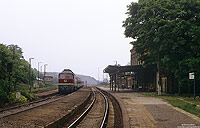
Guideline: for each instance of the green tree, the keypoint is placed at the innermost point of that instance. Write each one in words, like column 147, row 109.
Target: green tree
column 12, row 54
column 166, row 31
column 5, row 58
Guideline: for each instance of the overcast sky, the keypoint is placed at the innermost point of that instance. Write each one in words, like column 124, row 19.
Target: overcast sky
column 81, row 35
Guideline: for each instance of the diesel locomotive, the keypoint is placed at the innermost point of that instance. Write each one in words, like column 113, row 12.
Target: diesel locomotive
column 68, row 82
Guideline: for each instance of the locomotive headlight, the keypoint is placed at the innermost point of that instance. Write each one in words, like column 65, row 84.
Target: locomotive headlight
column 65, row 80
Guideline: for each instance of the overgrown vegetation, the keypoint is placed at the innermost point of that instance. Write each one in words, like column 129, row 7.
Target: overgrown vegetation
column 106, row 86
column 14, row 71
column 166, row 33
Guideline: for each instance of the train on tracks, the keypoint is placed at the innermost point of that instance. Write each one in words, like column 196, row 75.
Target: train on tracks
column 68, row 82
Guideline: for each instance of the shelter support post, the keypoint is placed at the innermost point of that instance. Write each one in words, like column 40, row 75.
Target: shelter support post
column 110, row 81
column 117, row 83
column 110, row 85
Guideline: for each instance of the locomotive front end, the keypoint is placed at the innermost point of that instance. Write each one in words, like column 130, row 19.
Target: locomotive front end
column 66, row 82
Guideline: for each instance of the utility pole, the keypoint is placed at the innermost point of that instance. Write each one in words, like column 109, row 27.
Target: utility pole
column 45, row 72
column 30, row 73
column 39, row 73
column 98, row 75
column 103, row 78
column 13, row 66
column 115, row 62
column 9, row 69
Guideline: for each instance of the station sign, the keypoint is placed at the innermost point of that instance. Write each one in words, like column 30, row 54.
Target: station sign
column 191, row 76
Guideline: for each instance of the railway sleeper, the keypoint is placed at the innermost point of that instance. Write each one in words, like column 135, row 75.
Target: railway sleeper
column 66, row 118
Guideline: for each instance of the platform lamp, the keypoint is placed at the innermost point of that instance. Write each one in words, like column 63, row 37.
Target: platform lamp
column 45, row 72
column 39, row 73
column 98, row 75
column 30, row 75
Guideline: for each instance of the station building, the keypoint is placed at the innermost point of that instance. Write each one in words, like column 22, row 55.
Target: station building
column 48, row 79
column 138, row 77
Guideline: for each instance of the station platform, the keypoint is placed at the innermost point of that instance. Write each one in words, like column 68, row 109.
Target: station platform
column 141, row 111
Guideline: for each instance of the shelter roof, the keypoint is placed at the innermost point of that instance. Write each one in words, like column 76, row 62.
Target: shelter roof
column 119, row 69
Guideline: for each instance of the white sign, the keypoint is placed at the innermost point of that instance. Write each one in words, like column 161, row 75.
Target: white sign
column 18, row 95
column 191, row 76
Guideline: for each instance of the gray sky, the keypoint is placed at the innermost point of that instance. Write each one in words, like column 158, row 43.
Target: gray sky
column 78, row 34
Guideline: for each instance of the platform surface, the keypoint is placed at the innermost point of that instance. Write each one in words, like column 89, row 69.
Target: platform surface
column 141, row 111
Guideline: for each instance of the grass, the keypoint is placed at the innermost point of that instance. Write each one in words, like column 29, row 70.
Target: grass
column 106, row 86
column 26, row 96
column 26, row 88
column 44, row 88
column 185, row 103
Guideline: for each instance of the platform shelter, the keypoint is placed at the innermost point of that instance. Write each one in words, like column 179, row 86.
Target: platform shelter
column 133, row 76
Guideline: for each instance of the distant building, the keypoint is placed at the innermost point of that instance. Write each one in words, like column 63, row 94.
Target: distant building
column 35, row 84
column 134, row 57
column 141, row 78
column 144, row 79
column 133, row 76
column 48, row 80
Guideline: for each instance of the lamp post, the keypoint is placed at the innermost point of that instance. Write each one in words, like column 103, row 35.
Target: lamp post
column 103, row 78
column 30, row 73
column 45, row 71
column 115, row 62
column 98, row 75
column 39, row 73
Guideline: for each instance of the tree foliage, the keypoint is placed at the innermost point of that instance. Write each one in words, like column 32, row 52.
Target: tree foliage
column 168, row 32
column 20, row 70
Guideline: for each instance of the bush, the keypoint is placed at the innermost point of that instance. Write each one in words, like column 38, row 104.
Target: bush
column 14, row 100
column 42, row 85
column 30, row 97
column 22, row 99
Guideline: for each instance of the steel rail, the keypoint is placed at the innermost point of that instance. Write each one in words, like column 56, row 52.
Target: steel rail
column 47, row 97
column 30, row 105
column 75, row 123
column 103, row 123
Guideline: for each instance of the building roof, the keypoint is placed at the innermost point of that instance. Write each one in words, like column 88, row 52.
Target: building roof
column 129, row 68
column 48, row 76
column 119, row 69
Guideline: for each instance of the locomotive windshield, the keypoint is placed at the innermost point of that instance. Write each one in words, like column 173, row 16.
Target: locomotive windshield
column 67, row 76
column 62, row 76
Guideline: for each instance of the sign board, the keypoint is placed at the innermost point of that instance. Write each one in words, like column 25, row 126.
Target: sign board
column 191, row 76
column 18, row 95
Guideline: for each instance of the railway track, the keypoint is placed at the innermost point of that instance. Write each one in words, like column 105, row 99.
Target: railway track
column 95, row 115
column 30, row 105
column 41, row 97
column 84, row 108
column 46, row 115
column 45, row 97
